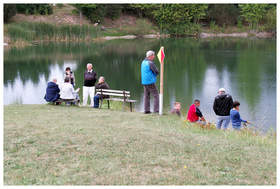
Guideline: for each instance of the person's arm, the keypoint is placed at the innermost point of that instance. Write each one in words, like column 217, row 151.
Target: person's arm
column 203, row 119
column 215, row 106
column 231, row 102
column 198, row 112
column 57, row 90
column 73, row 78
column 153, row 68
column 107, row 86
column 243, row 120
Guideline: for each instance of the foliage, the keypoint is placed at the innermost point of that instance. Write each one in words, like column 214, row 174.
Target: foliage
column 9, row 11
column 223, row 14
column 179, row 19
column 43, row 31
column 97, row 12
column 253, row 13
column 43, row 9
column 270, row 19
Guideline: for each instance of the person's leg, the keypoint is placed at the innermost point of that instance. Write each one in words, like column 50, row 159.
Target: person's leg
column 96, row 101
column 226, row 121
column 154, row 92
column 85, row 95
column 236, row 128
column 146, row 99
column 219, row 122
column 91, row 94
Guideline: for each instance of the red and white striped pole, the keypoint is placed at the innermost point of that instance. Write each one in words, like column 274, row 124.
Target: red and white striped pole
column 161, row 56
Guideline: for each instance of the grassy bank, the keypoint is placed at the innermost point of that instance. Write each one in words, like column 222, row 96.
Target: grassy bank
column 36, row 31
column 45, row 144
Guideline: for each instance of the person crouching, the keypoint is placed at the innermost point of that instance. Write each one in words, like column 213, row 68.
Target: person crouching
column 67, row 91
column 194, row 113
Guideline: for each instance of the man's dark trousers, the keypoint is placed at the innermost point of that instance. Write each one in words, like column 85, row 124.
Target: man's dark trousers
column 151, row 89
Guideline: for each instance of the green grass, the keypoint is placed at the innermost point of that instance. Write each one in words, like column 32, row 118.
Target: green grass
column 34, row 31
column 60, row 145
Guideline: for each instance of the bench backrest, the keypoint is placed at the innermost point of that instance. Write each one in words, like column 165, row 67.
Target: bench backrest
column 110, row 92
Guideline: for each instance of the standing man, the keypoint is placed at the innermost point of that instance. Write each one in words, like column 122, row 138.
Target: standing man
column 222, row 105
column 89, row 85
column 149, row 74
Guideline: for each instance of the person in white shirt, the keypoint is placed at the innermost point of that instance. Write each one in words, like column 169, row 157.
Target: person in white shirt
column 90, row 78
column 67, row 91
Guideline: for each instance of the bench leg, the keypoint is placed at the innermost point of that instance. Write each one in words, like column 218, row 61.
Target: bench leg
column 108, row 102
column 130, row 106
column 101, row 101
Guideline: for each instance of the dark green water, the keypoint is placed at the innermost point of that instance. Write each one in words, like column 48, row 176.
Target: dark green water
column 246, row 68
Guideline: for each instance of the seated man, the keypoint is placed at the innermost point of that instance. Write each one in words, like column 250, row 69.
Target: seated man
column 194, row 114
column 176, row 109
column 100, row 85
column 67, row 91
column 52, row 91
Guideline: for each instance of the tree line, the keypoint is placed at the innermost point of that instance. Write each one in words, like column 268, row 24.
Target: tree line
column 175, row 19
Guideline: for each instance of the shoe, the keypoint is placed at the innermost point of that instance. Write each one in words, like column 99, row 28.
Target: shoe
column 147, row 112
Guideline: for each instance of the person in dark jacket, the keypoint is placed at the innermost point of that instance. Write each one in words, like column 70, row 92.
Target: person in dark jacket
column 100, row 85
column 89, row 85
column 222, row 105
column 52, row 91
column 149, row 74
column 69, row 73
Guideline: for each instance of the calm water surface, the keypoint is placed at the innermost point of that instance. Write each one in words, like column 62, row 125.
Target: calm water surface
column 246, row 68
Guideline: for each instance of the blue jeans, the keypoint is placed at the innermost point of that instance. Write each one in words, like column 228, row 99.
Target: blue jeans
column 222, row 121
column 96, row 101
column 236, row 127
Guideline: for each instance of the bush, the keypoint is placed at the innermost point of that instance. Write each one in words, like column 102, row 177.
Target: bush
column 253, row 13
column 223, row 14
column 43, row 9
column 270, row 20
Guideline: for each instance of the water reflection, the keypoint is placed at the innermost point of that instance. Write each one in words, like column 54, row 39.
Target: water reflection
column 193, row 69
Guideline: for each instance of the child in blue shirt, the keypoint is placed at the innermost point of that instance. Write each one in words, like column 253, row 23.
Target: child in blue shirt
column 235, row 116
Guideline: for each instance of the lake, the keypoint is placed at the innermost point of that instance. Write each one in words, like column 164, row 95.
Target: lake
column 194, row 69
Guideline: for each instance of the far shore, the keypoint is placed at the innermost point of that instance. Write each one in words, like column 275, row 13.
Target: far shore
column 202, row 35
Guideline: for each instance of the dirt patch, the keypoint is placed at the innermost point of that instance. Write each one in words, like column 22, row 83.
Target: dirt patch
column 64, row 15
column 123, row 20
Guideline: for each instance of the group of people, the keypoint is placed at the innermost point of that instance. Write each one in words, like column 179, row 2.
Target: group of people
column 225, row 109
column 66, row 91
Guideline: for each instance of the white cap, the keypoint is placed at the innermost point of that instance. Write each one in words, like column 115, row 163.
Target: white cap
column 222, row 90
column 150, row 53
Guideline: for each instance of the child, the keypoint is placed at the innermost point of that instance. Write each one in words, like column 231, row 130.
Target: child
column 70, row 74
column 176, row 109
column 235, row 116
column 194, row 113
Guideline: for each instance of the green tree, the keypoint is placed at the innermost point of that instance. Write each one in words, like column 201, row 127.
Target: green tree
column 9, row 11
column 223, row 14
column 253, row 13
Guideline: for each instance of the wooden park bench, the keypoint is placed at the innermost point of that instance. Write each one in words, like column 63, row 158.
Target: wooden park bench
column 115, row 95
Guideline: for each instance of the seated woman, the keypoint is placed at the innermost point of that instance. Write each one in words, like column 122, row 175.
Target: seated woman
column 52, row 91
column 67, row 91
column 100, row 85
